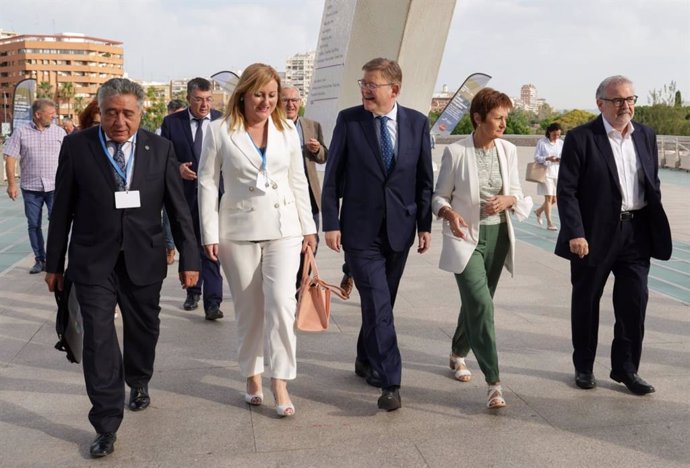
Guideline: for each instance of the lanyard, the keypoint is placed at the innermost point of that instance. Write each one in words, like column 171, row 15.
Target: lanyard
column 127, row 175
column 262, row 154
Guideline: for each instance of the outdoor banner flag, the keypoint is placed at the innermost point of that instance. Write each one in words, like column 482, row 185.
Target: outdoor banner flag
column 24, row 95
column 227, row 80
column 459, row 105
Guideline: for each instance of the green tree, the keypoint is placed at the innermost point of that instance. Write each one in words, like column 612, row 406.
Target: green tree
column 545, row 113
column 66, row 93
column 518, row 123
column 79, row 104
column 44, row 90
column 155, row 111
column 665, row 119
column 678, row 100
column 573, row 118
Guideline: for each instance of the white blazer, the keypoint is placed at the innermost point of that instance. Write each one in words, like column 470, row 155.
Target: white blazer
column 458, row 187
column 247, row 213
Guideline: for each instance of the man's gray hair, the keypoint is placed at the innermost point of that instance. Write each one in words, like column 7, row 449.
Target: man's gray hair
column 119, row 86
column 299, row 93
column 42, row 103
column 611, row 80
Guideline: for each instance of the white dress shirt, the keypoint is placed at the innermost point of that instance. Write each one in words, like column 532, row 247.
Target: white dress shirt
column 193, row 124
column 628, row 166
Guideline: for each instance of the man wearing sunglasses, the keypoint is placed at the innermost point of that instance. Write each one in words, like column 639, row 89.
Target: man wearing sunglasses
column 609, row 201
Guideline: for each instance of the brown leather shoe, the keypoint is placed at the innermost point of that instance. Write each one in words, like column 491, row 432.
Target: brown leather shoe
column 171, row 256
column 346, row 284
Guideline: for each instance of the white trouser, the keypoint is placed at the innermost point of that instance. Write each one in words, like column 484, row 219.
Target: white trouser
column 261, row 276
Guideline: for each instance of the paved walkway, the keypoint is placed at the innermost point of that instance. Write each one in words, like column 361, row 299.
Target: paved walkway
column 198, row 417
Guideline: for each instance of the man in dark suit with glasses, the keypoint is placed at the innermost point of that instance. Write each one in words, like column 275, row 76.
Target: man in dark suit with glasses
column 609, row 201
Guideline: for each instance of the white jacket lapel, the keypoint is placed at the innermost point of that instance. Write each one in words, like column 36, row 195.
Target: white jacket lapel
column 243, row 142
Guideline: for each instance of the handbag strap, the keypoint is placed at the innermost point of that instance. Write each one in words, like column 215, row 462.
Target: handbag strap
column 310, row 273
column 309, row 267
column 337, row 290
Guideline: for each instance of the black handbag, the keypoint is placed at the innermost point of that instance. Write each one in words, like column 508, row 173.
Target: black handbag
column 69, row 324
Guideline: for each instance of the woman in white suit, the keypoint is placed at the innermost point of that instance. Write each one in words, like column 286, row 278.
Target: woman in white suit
column 260, row 227
column 478, row 186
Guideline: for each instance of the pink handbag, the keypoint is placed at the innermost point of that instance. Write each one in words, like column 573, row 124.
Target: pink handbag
column 314, row 299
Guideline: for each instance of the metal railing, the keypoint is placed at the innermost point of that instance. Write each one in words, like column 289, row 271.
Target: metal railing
column 674, row 151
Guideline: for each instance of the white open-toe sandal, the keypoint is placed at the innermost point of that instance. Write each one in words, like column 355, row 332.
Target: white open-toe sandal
column 495, row 397
column 457, row 364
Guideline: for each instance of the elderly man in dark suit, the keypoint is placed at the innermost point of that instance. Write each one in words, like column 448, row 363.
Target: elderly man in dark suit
column 112, row 182
column 186, row 130
column 609, row 200
column 380, row 165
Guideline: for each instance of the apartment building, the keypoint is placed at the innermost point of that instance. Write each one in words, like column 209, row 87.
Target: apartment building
column 83, row 61
column 299, row 70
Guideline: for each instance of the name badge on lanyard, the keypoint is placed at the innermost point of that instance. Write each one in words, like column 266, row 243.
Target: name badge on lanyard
column 127, row 198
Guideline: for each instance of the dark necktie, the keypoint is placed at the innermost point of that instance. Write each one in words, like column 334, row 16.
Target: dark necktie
column 119, row 158
column 198, row 138
column 386, row 144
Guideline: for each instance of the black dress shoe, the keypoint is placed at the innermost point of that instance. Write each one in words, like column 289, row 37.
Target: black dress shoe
column 103, row 445
column 139, row 398
column 634, row 382
column 213, row 312
column 192, row 301
column 585, row 380
column 365, row 371
column 390, row 400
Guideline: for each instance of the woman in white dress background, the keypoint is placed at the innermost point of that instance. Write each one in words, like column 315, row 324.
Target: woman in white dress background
column 548, row 153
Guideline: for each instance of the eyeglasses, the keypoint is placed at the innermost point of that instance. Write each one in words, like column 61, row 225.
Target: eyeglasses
column 292, row 100
column 371, row 86
column 618, row 102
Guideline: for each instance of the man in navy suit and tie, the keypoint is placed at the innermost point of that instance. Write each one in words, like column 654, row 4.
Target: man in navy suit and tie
column 612, row 220
column 380, row 165
column 186, row 130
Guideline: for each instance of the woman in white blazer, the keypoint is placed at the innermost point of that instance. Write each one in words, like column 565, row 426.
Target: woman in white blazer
column 260, row 226
column 478, row 186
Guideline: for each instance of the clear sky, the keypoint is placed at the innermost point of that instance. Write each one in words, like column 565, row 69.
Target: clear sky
column 563, row 47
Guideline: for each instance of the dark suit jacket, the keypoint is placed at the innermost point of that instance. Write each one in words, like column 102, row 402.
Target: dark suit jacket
column 312, row 129
column 355, row 173
column 85, row 202
column 177, row 128
column 589, row 193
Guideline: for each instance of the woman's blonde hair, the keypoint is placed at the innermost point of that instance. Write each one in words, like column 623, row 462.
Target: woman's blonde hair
column 254, row 77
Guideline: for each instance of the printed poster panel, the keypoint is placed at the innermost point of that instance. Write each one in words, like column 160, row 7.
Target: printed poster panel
column 459, row 105
column 24, row 95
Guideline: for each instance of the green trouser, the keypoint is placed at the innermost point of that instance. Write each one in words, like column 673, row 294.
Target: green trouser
column 477, row 284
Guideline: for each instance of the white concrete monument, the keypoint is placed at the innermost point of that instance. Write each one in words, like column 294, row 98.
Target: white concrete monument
column 412, row 32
